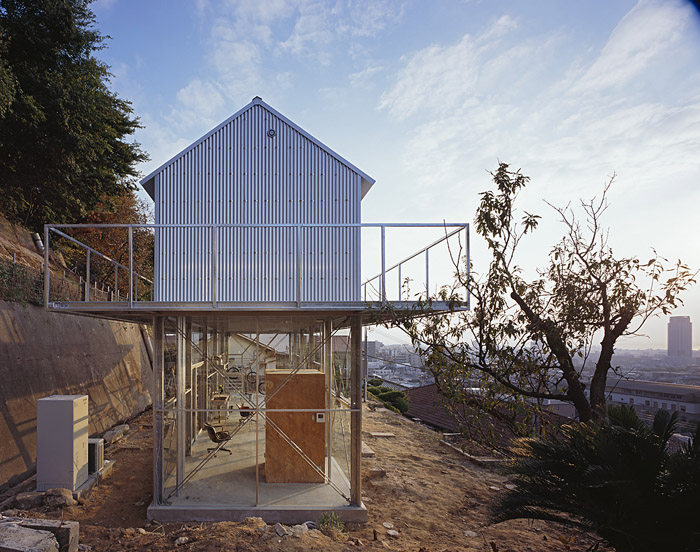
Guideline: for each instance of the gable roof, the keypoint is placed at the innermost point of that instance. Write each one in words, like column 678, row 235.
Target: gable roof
column 367, row 181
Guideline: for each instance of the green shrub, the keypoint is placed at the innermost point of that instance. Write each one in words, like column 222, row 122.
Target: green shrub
column 374, row 382
column 390, row 395
column 330, row 524
column 617, row 478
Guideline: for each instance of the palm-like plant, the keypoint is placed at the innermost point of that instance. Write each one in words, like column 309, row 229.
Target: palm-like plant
column 617, row 478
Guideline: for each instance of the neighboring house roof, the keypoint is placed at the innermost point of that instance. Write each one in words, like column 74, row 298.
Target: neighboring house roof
column 424, row 402
column 367, row 181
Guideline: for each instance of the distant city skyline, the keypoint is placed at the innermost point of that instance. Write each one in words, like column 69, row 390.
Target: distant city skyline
column 426, row 97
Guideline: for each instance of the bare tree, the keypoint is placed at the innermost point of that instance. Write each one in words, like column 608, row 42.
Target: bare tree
column 516, row 347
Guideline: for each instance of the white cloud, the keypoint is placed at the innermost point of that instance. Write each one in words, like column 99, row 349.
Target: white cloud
column 568, row 119
column 436, row 79
column 648, row 31
column 199, row 104
column 501, row 27
column 369, row 17
column 313, row 32
column 363, row 78
column 99, row 6
column 440, row 79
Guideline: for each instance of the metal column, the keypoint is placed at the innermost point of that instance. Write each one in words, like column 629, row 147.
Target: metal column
column 328, row 370
column 207, row 394
column 191, row 380
column 158, row 365
column 180, row 405
column 356, row 415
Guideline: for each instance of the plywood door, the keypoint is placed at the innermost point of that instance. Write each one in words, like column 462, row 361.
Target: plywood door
column 304, row 389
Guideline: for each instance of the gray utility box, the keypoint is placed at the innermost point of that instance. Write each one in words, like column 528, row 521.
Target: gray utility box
column 62, row 442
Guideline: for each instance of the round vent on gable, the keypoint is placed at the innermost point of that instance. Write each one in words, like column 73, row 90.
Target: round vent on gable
column 271, row 133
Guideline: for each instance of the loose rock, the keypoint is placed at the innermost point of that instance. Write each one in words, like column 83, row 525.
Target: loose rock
column 116, row 433
column 510, row 486
column 181, row 540
column 55, row 498
column 280, row 530
column 299, row 530
column 27, row 501
column 471, row 534
column 255, row 522
column 21, row 539
column 376, row 473
column 393, row 533
column 66, row 532
column 388, row 525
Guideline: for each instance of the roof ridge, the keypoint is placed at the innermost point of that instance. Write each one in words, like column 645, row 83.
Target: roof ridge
column 146, row 182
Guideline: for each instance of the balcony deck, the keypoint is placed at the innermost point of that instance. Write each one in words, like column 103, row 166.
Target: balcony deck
column 132, row 294
column 142, row 312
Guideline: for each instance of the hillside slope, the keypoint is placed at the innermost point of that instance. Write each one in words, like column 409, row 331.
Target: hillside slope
column 430, row 494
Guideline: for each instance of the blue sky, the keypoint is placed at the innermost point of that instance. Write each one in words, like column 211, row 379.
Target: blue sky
column 426, row 97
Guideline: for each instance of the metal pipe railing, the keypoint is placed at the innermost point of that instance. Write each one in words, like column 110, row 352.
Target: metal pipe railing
column 133, row 277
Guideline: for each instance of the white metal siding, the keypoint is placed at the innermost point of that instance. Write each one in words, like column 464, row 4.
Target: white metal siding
column 239, row 175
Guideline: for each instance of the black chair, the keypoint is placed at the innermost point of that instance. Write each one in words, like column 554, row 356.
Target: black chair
column 218, row 437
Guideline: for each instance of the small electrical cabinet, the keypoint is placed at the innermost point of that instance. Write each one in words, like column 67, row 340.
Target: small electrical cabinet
column 62, row 442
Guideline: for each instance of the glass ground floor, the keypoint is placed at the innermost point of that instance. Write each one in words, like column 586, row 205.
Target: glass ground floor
column 257, row 415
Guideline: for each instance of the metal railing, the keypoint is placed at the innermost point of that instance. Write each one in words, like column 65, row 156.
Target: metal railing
column 210, row 237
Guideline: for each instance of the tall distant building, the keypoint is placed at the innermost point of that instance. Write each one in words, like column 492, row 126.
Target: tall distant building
column 680, row 337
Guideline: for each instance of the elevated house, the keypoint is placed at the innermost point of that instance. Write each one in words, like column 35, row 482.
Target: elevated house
column 257, row 276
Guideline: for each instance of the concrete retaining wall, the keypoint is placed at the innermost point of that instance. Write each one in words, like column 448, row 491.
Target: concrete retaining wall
column 44, row 353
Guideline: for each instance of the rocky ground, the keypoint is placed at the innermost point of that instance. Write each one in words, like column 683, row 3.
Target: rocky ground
column 421, row 496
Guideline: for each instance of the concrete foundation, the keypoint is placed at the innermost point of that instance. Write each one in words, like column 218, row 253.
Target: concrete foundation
column 288, row 516
column 224, row 488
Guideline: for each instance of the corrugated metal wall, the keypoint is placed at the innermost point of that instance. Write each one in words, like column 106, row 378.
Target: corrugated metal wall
column 240, row 175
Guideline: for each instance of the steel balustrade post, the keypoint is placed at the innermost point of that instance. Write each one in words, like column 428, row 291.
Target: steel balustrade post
column 427, row 273
column 383, row 280
column 213, row 266
column 131, row 267
column 298, row 257
column 399, row 281
column 466, row 239
column 47, row 271
column 87, row 277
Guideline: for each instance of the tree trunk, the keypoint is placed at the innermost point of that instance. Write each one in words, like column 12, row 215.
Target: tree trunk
column 576, row 391
column 600, row 378
column 597, row 392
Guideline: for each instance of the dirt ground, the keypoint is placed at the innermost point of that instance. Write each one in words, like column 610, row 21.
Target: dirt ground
column 431, row 494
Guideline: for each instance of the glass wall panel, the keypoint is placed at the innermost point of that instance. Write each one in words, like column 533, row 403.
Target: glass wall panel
column 264, row 415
